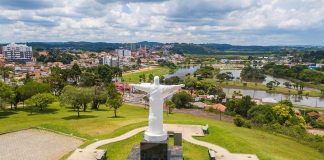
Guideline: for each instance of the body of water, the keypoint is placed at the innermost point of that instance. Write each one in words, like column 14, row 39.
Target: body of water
column 297, row 100
column 183, row 71
column 236, row 74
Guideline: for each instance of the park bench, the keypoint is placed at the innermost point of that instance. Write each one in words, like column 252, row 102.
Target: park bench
column 205, row 129
column 212, row 154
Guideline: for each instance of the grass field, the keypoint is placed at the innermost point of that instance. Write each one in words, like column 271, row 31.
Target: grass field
column 134, row 77
column 283, row 90
column 100, row 125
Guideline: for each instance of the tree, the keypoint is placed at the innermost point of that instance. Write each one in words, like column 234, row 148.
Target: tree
column 6, row 94
column 150, row 77
column 170, row 105
column 28, row 78
column 29, row 89
column 41, row 100
column 5, row 71
column 115, row 102
column 75, row 73
column 252, row 74
column 287, row 84
column 77, row 97
column 99, row 96
column 240, row 106
column 88, row 79
column 182, row 99
column 270, row 85
column 190, row 83
column 146, row 100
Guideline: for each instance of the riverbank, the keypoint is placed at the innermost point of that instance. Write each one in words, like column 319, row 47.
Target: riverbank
column 258, row 86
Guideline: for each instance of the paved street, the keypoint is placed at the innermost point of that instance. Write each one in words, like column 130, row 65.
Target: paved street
column 35, row 144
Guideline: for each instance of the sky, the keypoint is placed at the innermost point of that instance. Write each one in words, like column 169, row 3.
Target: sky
column 239, row 22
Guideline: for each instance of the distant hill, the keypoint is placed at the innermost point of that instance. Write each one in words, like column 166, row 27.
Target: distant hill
column 183, row 48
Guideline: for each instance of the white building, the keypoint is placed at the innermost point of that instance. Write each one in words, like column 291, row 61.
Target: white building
column 110, row 61
column 123, row 53
column 17, row 52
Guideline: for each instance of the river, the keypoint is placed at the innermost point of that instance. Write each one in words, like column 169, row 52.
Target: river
column 183, row 71
column 297, row 100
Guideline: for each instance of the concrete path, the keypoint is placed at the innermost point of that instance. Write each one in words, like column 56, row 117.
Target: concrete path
column 188, row 131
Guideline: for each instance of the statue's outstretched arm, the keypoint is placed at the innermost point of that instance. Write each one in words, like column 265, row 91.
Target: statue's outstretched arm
column 170, row 89
column 146, row 87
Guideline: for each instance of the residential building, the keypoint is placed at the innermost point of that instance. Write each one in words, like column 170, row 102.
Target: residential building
column 123, row 53
column 17, row 52
column 110, row 61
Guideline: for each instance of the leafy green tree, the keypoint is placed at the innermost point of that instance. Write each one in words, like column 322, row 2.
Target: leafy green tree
column 170, row 105
column 105, row 73
column 28, row 78
column 77, row 97
column 150, row 77
column 115, row 102
column 5, row 71
column 88, row 79
column 41, row 100
column 261, row 114
column 182, row 99
column 6, row 94
column 29, row 89
column 240, row 106
column 249, row 73
column 75, row 73
column 287, row 84
column 99, row 96
column 146, row 100
column 269, row 85
column 191, row 84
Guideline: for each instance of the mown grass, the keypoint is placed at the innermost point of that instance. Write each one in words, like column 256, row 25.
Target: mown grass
column 134, row 77
column 283, row 90
column 96, row 125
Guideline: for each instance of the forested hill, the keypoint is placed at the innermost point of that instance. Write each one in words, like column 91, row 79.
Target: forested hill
column 183, row 48
column 189, row 48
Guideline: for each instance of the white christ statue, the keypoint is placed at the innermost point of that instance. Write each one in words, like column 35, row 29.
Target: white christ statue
column 157, row 93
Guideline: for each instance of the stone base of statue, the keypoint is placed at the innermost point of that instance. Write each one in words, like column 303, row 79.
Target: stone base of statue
column 154, row 150
column 174, row 153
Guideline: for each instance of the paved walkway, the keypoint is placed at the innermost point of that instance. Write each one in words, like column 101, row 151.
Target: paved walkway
column 188, row 131
column 36, row 144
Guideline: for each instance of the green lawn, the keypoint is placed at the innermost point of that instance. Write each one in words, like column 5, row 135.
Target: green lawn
column 283, row 90
column 134, row 77
column 99, row 125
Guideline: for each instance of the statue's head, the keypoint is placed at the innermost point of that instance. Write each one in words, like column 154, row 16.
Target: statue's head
column 156, row 80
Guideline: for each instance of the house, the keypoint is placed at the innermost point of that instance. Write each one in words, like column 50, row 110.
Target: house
column 268, row 101
column 219, row 107
column 198, row 104
column 196, row 99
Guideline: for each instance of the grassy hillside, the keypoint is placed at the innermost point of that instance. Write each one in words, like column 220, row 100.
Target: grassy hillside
column 100, row 125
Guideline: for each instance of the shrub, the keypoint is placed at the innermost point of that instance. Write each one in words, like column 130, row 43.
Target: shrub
column 238, row 120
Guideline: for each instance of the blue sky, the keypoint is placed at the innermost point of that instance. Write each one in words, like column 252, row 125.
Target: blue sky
column 241, row 22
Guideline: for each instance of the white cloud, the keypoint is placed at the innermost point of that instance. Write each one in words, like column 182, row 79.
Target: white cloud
column 217, row 21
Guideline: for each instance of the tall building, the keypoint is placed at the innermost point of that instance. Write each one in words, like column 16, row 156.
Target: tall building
column 110, row 61
column 17, row 52
column 123, row 52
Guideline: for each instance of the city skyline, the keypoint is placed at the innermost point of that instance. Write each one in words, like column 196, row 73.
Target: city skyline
column 243, row 22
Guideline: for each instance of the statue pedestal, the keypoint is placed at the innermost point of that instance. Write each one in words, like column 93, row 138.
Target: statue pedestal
column 154, row 150
column 151, row 137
